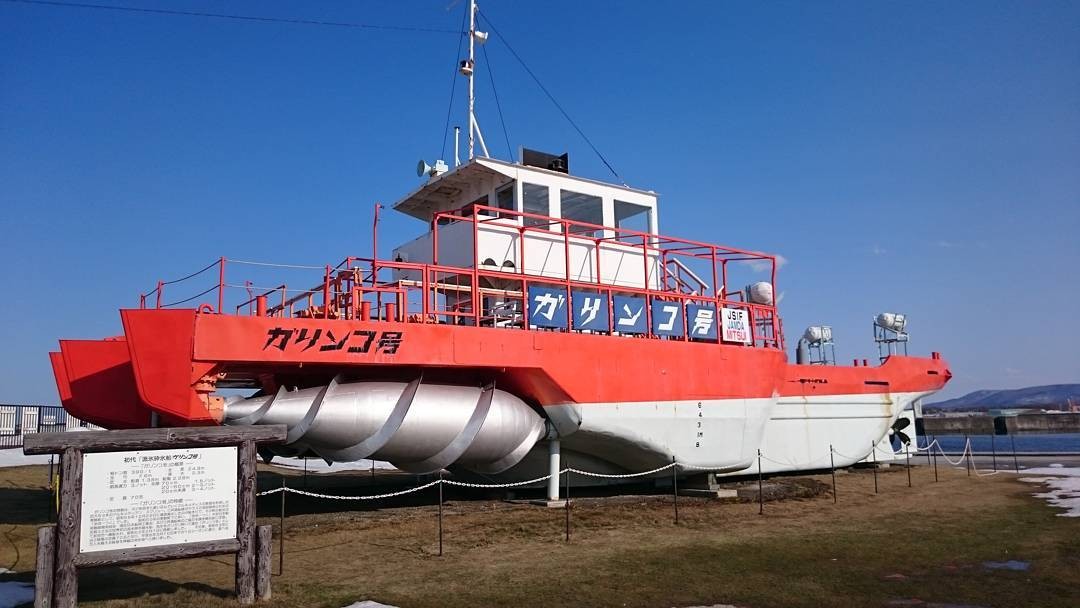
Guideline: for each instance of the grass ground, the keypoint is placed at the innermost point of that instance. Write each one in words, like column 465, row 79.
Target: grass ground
column 927, row 543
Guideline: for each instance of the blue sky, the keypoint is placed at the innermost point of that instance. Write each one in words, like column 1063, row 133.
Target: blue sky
column 918, row 157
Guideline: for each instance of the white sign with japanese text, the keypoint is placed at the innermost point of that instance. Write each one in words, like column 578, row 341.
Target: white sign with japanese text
column 157, row 497
column 736, row 325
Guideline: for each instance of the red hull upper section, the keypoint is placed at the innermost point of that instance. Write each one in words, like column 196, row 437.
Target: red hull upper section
column 898, row 374
column 169, row 358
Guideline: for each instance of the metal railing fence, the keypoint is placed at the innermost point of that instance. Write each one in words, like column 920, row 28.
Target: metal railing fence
column 19, row 420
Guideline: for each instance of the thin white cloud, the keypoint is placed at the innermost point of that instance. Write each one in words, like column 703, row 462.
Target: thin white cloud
column 947, row 244
column 764, row 265
column 878, row 250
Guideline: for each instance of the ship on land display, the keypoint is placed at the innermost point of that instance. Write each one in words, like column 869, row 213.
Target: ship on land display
column 540, row 316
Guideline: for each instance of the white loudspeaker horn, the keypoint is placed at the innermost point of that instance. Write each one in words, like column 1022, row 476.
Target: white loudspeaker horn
column 422, row 169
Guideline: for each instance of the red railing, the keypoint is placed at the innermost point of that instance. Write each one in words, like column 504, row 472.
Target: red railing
column 358, row 287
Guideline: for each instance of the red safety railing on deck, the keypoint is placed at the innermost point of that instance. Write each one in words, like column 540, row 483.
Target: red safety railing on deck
column 436, row 293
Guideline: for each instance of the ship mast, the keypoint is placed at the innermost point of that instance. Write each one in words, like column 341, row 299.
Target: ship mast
column 468, row 69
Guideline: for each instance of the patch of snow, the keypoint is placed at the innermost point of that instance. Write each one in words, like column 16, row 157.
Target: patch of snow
column 369, row 604
column 14, row 457
column 13, row 593
column 1063, row 485
column 1058, row 471
column 318, row 465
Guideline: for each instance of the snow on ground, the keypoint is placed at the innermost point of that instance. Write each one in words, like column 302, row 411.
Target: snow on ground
column 13, row 593
column 318, row 465
column 13, row 457
column 1062, row 484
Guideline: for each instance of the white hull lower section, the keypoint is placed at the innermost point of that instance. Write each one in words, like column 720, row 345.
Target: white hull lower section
column 723, row 436
column 801, row 430
column 620, row 438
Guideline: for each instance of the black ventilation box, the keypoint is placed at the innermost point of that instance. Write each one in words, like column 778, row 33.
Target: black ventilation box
column 535, row 158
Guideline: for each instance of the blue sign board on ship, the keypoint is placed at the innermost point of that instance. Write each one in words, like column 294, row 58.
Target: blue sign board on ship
column 629, row 315
column 547, row 307
column 667, row 318
column 701, row 321
column 590, row 311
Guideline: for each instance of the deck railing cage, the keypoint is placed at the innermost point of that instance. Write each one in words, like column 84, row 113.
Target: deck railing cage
column 365, row 288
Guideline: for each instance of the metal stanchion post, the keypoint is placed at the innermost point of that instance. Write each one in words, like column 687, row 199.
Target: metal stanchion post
column 993, row 449
column 832, row 469
column 440, row 510
column 907, row 453
column 928, row 444
column 935, row 464
column 305, row 471
column 675, row 490
column 760, row 491
column 873, row 452
column 566, row 503
column 281, row 529
column 1016, row 463
column 970, row 456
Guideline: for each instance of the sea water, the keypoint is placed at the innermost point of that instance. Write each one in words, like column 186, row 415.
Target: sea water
column 1050, row 443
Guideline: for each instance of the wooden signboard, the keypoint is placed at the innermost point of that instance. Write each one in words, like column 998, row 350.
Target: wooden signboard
column 145, row 495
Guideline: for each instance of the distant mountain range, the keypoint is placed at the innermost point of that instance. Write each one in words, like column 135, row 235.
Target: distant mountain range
column 1050, row 395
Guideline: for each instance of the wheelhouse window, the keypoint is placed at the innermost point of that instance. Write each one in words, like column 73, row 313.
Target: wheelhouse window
column 582, row 208
column 534, row 199
column 630, row 216
column 504, row 199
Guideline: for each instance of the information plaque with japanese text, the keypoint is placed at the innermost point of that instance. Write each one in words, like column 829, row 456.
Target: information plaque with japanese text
column 157, row 497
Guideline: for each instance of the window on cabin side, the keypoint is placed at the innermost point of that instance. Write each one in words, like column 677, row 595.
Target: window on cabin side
column 630, row 216
column 534, row 199
column 582, row 208
column 504, row 199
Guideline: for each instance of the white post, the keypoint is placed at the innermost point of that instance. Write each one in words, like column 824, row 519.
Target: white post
column 554, row 467
column 457, row 146
column 472, row 63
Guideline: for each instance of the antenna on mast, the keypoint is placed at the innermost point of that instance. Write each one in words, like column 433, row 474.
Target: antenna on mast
column 468, row 69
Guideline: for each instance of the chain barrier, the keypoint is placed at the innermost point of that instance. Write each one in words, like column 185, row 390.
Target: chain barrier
column 621, row 476
column 336, row 497
column 515, row 484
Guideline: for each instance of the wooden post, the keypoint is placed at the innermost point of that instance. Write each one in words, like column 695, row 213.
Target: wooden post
column 440, row 510
column 245, row 523
column 281, row 531
column 566, row 504
column 264, row 541
column 43, row 577
column 760, row 492
column 873, row 451
column 675, row 488
column 832, row 469
column 66, row 581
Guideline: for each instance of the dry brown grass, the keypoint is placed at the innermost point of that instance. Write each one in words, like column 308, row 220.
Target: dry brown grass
column 628, row 552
